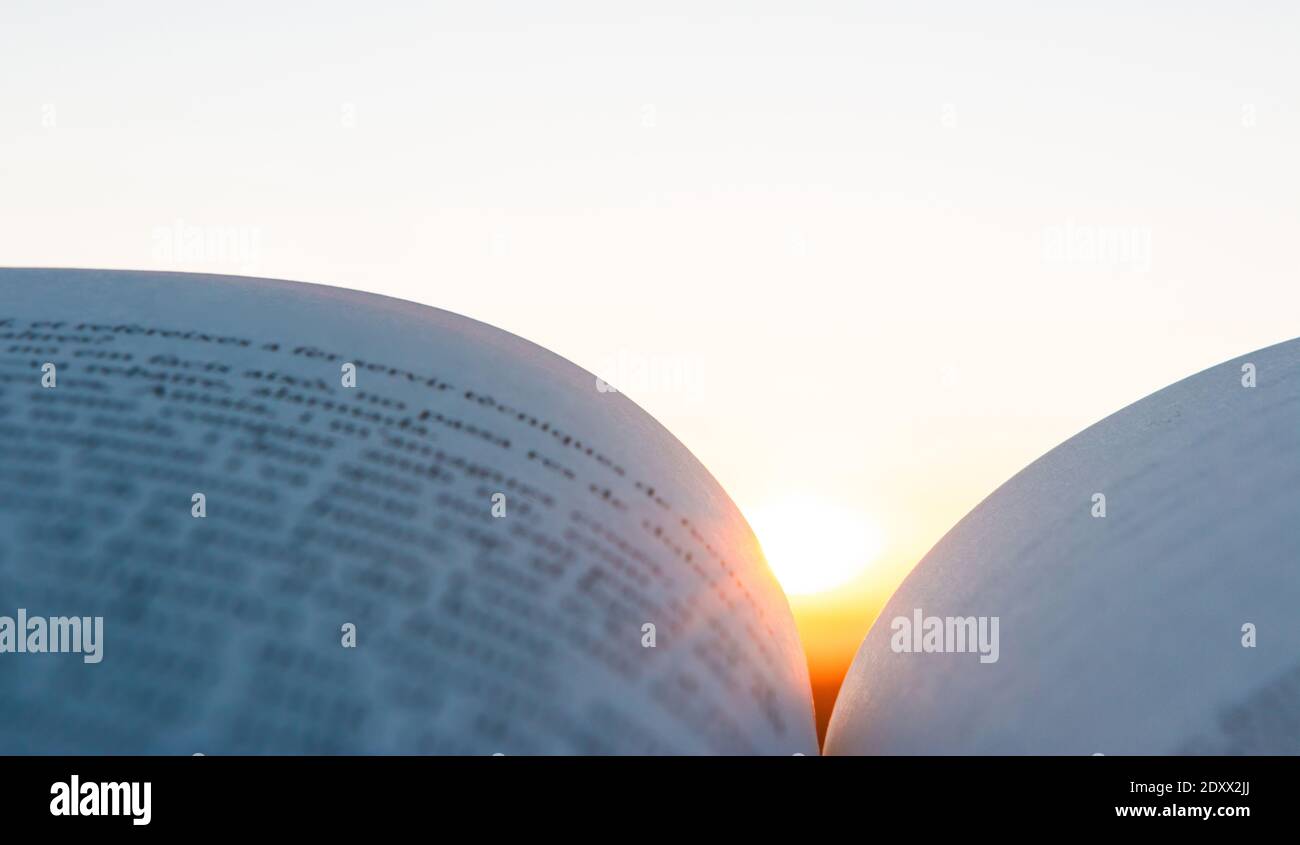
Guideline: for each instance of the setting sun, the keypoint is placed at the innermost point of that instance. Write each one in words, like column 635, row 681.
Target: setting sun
column 814, row 544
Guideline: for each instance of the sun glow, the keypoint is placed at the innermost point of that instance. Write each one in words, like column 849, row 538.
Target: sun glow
column 814, row 544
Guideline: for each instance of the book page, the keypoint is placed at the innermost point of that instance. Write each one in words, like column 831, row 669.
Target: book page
column 472, row 548
column 1162, row 619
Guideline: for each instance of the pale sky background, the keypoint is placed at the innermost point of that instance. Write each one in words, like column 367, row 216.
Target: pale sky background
column 839, row 249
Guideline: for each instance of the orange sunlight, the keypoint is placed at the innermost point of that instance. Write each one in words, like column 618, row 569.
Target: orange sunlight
column 837, row 569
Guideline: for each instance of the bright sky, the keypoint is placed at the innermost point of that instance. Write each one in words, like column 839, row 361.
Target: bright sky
column 866, row 260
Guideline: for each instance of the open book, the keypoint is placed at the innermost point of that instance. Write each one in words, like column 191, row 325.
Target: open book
column 297, row 519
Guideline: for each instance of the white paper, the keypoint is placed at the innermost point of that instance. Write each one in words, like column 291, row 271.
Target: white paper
column 1122, row 634
column 328, row 505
